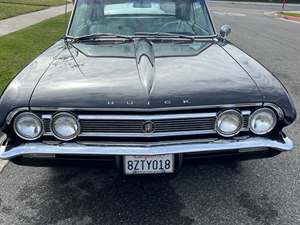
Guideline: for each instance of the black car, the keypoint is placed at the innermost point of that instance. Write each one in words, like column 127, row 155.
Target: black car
column 143, row 85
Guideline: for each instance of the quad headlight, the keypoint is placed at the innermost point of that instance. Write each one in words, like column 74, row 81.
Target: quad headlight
column 65, row 126
column 229, row 123
column 28, row 126
column 262, row 121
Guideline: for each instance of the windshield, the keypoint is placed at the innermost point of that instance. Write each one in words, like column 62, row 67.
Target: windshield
column 136, row 17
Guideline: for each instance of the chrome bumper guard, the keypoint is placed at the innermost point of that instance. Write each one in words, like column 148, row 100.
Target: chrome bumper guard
column 222, row 145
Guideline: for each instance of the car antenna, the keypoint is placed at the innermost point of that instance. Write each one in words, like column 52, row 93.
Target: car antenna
column 66, row 15
column 66, row 11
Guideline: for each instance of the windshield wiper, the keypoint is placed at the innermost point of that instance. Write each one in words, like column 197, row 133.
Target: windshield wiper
column 165, row 34
column 97, row 36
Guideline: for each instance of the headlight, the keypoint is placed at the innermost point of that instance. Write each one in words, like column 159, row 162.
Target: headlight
column 28, row 126
column 229, row 123
column 65, row 126
column 262, row 121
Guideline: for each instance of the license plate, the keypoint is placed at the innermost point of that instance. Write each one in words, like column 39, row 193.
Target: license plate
column 149, row 164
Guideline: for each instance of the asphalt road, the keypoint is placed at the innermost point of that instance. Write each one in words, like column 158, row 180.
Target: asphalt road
column 253, row 192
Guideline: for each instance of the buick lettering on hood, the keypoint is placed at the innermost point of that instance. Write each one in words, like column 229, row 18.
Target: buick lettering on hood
column 143, row 86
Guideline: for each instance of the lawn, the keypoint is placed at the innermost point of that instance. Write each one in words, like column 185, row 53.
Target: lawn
column 290, row 14
column 10, row 10
column 20, row 48
column 36, row 2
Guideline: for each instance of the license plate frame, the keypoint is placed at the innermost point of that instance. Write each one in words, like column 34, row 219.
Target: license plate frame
column 149, row 164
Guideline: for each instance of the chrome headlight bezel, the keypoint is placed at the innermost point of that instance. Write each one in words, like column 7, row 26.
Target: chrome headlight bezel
column 252, row 116
column 70, row 116
column 229, row 112
column 34, row 117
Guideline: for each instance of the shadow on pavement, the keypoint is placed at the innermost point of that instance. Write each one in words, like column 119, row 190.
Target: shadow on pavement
column 90, row 196
column 101, row 196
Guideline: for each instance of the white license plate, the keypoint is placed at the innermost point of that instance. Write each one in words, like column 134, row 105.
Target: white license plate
column 149, row 164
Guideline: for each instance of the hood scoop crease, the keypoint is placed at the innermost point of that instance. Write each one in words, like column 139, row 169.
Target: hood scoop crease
column 145, row 60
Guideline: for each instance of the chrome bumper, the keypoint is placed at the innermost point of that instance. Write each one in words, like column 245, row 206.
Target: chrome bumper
column 222, row 145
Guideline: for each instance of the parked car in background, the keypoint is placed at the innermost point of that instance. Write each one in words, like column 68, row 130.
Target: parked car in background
column 143, row 85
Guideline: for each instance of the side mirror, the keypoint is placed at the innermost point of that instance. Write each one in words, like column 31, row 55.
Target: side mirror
column 225, row 31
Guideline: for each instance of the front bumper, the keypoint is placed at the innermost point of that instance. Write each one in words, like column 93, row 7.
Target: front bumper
column 280, row 143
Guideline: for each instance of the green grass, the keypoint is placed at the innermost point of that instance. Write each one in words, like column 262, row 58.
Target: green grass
column 290, row 14
column 20, row 48
column 10, row 10
column 36, row 2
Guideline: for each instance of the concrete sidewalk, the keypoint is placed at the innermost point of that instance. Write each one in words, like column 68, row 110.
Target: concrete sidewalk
column 19, row 22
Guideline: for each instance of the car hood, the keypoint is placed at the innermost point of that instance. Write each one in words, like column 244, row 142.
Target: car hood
column 143, row 74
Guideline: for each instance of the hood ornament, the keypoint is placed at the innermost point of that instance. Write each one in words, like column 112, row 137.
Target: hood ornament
column 145, row 64
column 148, row 127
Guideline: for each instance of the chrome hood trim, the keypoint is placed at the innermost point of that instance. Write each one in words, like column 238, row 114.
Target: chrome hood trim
column 167, row 109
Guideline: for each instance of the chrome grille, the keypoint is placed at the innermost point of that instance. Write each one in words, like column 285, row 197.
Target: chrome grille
column 133, row 126
column 246, row 121
column 108, row 126
column 136, row 126
column 185, row 125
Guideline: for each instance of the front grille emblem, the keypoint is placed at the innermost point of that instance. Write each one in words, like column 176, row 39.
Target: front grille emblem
column 148, row 127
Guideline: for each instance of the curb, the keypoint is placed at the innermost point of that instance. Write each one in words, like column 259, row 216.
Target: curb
column 252, row 3
column 284, row 17
column 294, row 18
